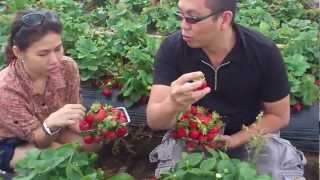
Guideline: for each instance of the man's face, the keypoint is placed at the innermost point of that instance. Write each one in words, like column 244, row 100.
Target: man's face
column 202, row 33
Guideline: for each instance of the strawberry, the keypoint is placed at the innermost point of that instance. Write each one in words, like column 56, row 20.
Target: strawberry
column 84, row 125
column 88, row 139
column 204, row 85
column 97, row 139
column 143, row 100
column 109, row 134
column 120, row 132
column 215, row 129
column 101, row 114
column 191, row 146
column 122, row 119
column 181, row 132
column 89, row 118
column 194, row 110
column 194, row 134
column 205, row 119
column 192, row 125
column 317, row 83
column 203, row 138
column 107, row 92
column 297, row 107
column 211, row 136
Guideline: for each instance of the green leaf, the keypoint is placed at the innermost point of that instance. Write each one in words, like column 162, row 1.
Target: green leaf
column 208, row 164
column 73, row 173
column 193, row 159
column 121, row 176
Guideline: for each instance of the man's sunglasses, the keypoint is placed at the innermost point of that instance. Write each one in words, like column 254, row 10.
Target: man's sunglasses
column 194, row 19
column 35, row 19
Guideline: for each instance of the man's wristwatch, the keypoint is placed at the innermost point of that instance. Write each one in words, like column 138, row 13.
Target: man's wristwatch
column 47, row 130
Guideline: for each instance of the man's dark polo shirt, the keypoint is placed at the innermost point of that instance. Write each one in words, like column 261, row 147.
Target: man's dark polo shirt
column 252, row 73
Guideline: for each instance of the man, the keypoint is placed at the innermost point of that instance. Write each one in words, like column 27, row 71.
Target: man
column 244, row 71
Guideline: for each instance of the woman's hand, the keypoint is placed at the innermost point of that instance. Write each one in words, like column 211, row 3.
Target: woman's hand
column 68, row 115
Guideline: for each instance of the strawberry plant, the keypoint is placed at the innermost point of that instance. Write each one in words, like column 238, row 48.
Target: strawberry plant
column 212, row 165
column 65, row 162
column 198, row 128
column 105, row 124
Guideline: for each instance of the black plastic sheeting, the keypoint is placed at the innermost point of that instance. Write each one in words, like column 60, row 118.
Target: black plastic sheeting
column 303, row 130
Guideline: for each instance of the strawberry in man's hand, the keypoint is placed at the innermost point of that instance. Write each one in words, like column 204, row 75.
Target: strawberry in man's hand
column 204, row 84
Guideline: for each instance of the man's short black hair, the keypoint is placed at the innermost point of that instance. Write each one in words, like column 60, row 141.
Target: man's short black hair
column 222, row 5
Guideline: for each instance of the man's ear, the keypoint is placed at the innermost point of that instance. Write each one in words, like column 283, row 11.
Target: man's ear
column 226, row 17
column 17, row 52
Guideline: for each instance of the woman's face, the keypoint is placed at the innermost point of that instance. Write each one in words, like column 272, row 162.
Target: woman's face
column 43, row 56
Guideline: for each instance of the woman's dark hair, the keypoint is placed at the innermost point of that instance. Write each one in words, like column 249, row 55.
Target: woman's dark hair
column 29, row 27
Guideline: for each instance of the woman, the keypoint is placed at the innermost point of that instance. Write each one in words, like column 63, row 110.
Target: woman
column 39, row 89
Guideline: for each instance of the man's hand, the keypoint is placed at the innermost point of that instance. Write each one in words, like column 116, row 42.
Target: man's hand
column 68, row 115
column 185, row 90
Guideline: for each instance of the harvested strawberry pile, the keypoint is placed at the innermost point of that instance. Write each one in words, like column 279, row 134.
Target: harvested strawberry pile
column 198, row 128
column 104, row 123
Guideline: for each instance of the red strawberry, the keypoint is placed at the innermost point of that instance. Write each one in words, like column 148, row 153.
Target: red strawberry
column 194, row 110
column 96, row 139
column 88, row 139
column 89, row 118
column 116, row 84
column 192, row 125
column 101, row 114
column 297, row 107
column 109, row 134
column 211, row 136
column 121, row 131
column 317, row 83
column 205, row 119
column 143, row 100
column 107, row 92
column 215, row 129
column 83, row 125
column 203, row 138
column 181, row 132
column 191, row 146
column 122, row 119
column 194, row 134
column 204, row 85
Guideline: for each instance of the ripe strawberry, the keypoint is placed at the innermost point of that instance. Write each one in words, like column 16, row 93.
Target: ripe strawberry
column 101, row 114
column 181, row 132
column 297, row 107
column 211, row 136
column 143, row 100
column 88, row 139
column 194, row 110
column 107, row 92
column 109, row 134
column 204, row 85
column 205, row 119
column 97, row 139
column 191, row 146
column 194, row 134
column 120, row 132
column 89, row 118
column 192, row 125
column 215, row 129
column 203, row 138
column 122, row 119
column 317, row 83
column 84, row 125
